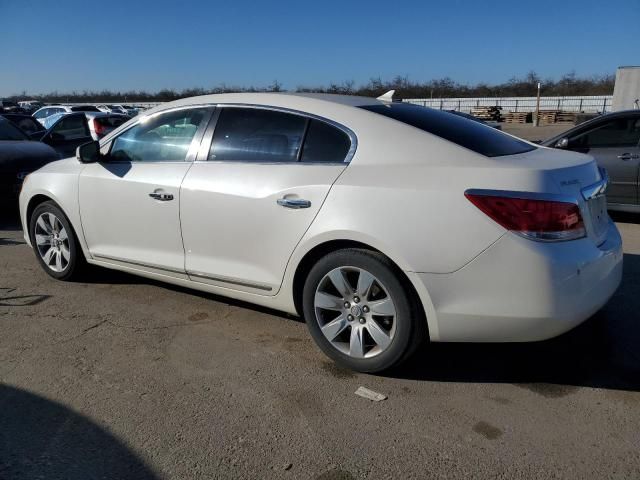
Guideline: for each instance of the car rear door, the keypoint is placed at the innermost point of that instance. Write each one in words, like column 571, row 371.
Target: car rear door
column 129, row 203
column 615, row 146
column 260, row 179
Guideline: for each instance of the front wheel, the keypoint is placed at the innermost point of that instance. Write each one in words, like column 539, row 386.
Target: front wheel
column 54, row 242
column 360, row 312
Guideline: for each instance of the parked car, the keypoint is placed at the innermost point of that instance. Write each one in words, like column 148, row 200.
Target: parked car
column 614, row 141
column 49, row 110
column 490, row 123
column 29, row 125
column 64, row 133
column 19, row 157
column 122, row 109
column 30, row 106
column 99, row 123
column 381, row 223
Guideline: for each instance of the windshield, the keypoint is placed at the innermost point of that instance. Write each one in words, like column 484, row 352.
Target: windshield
column 9, row 131
column 469, row 134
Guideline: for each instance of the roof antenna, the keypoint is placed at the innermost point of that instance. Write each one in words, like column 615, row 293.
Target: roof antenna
column 387, row 97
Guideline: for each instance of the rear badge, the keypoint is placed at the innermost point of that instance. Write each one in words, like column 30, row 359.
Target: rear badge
column 565, row 183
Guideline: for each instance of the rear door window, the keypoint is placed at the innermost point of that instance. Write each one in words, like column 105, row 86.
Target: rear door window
column 257, row 135
column 475, row 136
column 325, row 143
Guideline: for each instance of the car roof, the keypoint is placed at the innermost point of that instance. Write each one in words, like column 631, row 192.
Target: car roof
column 282, row 99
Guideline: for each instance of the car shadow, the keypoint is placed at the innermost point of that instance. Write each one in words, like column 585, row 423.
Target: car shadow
column 99, row 275
column 601, row 353
column 10, row 218
column 40, row 438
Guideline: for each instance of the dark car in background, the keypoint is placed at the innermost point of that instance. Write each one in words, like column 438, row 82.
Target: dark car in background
column 19, row 156
column 64, row 135
column 614, row 141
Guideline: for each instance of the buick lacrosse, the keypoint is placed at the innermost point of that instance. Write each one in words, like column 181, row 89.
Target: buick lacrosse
column 381, row 223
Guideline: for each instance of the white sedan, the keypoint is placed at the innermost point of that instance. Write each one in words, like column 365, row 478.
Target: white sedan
column 382, row 223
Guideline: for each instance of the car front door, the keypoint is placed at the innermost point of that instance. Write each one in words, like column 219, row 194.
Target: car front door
column 251, row 196
column 129, row 203
column 68, row 133
column 615, row 146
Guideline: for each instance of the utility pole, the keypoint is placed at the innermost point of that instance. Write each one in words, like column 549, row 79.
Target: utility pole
column 537, row 116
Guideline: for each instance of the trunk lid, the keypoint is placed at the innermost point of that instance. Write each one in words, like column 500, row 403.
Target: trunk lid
column 578, row 177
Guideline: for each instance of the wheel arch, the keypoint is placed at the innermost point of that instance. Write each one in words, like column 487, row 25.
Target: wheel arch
column 311, row 257
column 33, row 203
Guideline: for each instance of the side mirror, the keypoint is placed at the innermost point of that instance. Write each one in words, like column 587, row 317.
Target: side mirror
column 562, row 143
column 89, row 152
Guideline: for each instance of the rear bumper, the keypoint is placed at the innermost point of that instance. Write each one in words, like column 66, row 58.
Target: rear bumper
column 519, row 290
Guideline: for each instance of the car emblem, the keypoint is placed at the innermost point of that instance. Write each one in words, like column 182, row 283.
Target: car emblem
column 356, row 310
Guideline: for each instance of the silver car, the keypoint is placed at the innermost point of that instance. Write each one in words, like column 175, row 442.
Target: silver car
column 614, row 141
column 45, row 112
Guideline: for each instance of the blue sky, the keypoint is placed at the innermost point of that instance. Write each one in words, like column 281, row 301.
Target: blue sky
column 70, row 45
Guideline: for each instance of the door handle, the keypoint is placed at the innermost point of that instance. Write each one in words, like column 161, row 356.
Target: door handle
column 628, row 156
column 163, row 197
column 294, row 203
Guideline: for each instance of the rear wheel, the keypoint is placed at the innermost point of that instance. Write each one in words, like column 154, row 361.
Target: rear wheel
column 360, row 312
column 54, row 242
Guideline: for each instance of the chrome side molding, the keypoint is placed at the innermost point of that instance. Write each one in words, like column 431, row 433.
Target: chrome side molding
column 215, row 278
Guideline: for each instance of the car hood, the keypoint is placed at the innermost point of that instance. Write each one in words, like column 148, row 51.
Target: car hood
column 25, row 156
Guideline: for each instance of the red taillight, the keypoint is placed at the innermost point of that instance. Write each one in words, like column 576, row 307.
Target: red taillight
column 534, row 218
column 100, row 129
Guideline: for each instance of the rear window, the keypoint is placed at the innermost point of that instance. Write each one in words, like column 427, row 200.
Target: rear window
column 85, row 108
column 9, row 131
column 475, row 136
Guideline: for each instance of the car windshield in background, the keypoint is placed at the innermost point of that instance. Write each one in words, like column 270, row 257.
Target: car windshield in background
column 475, row 136
column 85, row 108
column 8, row 131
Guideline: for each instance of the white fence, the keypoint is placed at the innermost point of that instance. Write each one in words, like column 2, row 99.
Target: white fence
column 593, row 104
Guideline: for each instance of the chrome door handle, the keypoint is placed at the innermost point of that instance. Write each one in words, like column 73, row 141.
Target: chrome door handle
column 628, row 156
column 163, row 197
column 294, row 203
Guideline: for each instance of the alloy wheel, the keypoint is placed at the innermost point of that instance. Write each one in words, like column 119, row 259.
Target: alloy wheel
column 52, row 242
column 355, row 312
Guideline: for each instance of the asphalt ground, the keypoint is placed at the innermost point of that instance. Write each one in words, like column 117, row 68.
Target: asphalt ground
column 119, row 377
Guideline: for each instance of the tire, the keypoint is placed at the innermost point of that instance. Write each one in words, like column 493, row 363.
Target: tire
column 370, row 334
column 63, row 259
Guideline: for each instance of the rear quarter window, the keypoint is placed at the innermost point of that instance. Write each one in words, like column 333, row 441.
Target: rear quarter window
column 467, row 133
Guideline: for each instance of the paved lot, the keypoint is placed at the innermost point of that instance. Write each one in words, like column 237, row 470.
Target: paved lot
column 120, row 377
column 528, row 131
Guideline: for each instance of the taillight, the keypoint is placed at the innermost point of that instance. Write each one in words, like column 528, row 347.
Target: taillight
column 100, row 129
column 538, row 219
